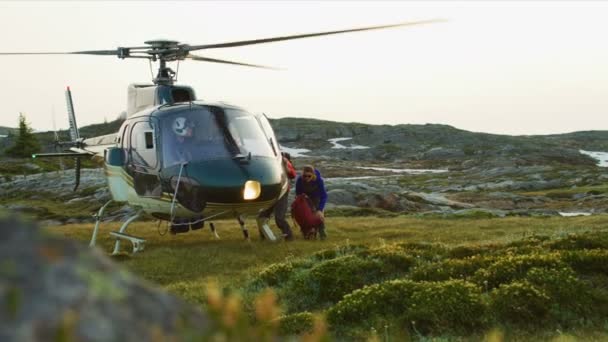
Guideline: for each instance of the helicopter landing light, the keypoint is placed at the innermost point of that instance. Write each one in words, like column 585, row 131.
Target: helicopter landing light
column 252, row 190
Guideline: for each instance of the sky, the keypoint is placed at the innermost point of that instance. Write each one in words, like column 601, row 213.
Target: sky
column 499, row 67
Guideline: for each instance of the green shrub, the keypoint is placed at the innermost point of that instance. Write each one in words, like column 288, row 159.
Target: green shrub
column 392, row 258
column 450, row 269
column 514, row 267
column 300, row 292
column 588, row 261
column 449, row 306
column 520, row 303
column 461, row 252
column 425, row 251
column 296, row 324
column 529, row 241
column 581, row 241
column 570, row 297
column 328, row 281
column 560, row 283
column 390, row 298
column 275, row 274
column 343, row 275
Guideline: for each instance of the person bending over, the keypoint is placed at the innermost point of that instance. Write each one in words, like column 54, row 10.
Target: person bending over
column 311, row 183
column 280, row 208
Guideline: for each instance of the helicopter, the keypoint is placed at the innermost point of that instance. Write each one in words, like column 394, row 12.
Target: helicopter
column 181, row 159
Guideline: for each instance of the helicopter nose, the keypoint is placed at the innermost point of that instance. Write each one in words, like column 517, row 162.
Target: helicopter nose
column 226, row 182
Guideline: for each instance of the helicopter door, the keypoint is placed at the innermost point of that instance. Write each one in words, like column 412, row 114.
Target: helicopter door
column 143, row 160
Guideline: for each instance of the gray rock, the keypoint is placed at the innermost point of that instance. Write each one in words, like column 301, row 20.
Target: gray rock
column 388, row 201
column 435, row 199
column 480, row 212
column 49, row 284
column 341, row 197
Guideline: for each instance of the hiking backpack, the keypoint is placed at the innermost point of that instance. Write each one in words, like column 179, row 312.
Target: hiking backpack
column 302, row 212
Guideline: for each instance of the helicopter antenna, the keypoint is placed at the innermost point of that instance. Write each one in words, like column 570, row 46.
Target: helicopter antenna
column 165, row 51
column 151, row 72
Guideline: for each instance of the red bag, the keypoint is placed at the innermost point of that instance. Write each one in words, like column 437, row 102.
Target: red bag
column 302, row 211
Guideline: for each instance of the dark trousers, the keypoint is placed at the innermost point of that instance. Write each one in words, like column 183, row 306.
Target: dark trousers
column 280, row 211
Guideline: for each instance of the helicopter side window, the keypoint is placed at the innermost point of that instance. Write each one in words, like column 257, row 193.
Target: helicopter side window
column 149, row 137
column 142, row 144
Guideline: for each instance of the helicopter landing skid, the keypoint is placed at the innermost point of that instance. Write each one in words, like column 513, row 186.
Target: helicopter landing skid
column 212, row 227
column 97, row 218
column 241, row 220
column 138, row 243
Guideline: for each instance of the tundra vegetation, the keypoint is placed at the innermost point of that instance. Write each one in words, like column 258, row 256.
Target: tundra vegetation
column 398, row 278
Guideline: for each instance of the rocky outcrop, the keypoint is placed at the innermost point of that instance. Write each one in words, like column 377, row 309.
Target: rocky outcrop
column 55, row 289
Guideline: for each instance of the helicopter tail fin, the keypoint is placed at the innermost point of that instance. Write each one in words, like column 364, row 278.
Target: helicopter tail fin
column 75, row 145
column 74, row 134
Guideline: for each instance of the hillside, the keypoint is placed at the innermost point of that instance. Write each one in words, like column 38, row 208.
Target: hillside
column 429, row 145
column 5, row 130
column 436, row 144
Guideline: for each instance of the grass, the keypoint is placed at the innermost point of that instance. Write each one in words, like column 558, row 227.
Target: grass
column 197, row 256
column 184, row 264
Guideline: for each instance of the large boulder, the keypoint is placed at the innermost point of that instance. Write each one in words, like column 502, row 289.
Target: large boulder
column 341, row 197
column 57, row 289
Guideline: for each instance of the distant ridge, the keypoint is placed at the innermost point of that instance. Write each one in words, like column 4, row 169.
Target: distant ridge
column 6, row 130
column 431, row 144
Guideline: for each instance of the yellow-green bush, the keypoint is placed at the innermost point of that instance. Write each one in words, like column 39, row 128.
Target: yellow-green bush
column 425, row 251
column 275, row 274
column 390, row 298
column 520, row 303
column 449, row 306
column 296, row 324
column 571, row 299
column 450, row 269
column 393, row 258
column 343, row 275
column 514, row 267
column 581, row 241
column 328, row 281
column 588, row 261
column 465, row 251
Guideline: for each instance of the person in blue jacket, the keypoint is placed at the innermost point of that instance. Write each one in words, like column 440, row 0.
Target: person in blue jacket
column 311, row 183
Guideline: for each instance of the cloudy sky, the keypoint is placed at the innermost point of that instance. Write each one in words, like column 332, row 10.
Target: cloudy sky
column 501, row 67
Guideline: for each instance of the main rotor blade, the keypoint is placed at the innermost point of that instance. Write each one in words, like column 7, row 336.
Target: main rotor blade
column 92, row 52
column 307, row 35
column 213, row 60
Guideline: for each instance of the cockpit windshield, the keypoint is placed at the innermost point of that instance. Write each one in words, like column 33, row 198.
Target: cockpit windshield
column 208, row 133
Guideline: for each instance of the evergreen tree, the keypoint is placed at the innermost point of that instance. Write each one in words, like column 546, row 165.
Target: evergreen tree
column 26, row 142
